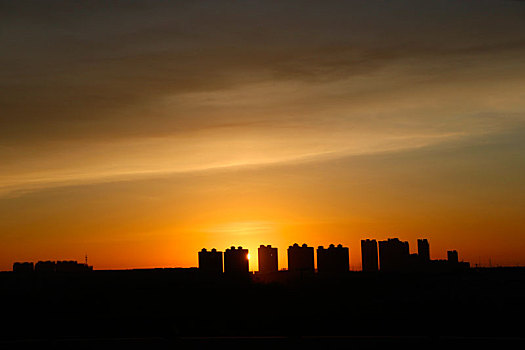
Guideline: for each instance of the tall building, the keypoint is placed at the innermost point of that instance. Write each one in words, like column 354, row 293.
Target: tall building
column 334, row 259
column 300, row 258
column 267, row 259
column 369, row 255
column 236, row 261
column 452, row 256
column 423, row 250
column 210, row 261
column 394, row 255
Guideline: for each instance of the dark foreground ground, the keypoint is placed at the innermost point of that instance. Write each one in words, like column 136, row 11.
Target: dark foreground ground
column 181, row 308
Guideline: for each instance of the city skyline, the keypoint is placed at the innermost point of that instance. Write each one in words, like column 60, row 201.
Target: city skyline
column 140, row 132
column 438, row 252
column 308, row 260
column 382, row 256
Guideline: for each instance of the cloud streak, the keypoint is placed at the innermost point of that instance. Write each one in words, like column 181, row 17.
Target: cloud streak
column 168, row 165
column 95, row 93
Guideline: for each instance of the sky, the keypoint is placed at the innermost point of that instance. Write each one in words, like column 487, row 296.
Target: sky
column 141, row 132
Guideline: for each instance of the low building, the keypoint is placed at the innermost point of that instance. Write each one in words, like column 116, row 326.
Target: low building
column 71, row 266
column 23, row 267
column 45, row 266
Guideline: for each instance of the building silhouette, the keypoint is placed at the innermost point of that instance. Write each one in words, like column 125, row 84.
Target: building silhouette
column 300, row 258
column 369, row 258
column 452, row 257
column 71, row 266
column 268, row 261
column 52, row 266
column 23, row 267
column 333, row 260
column 394, row 255
column 423, row 250
column 210, row 261
column 45, row 266
column 236, row 261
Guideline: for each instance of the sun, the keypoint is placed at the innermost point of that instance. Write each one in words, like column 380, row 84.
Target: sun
column 248, row 256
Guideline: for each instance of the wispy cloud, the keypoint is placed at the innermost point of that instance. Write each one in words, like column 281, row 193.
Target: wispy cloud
column 97, row 94
column 138, row 169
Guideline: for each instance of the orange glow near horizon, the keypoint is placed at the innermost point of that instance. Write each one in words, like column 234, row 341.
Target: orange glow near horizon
column 161, row 224
column 141, row 140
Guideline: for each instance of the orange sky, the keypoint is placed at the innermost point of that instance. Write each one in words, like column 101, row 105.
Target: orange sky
column 141, row 133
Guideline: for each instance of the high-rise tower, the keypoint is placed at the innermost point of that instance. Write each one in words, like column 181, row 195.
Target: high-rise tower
column 300, row 258
column 267, row 259
column 369, row 255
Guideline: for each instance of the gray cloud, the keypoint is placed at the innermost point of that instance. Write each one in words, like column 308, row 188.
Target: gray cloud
column 70, row 68
column 85, row 82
